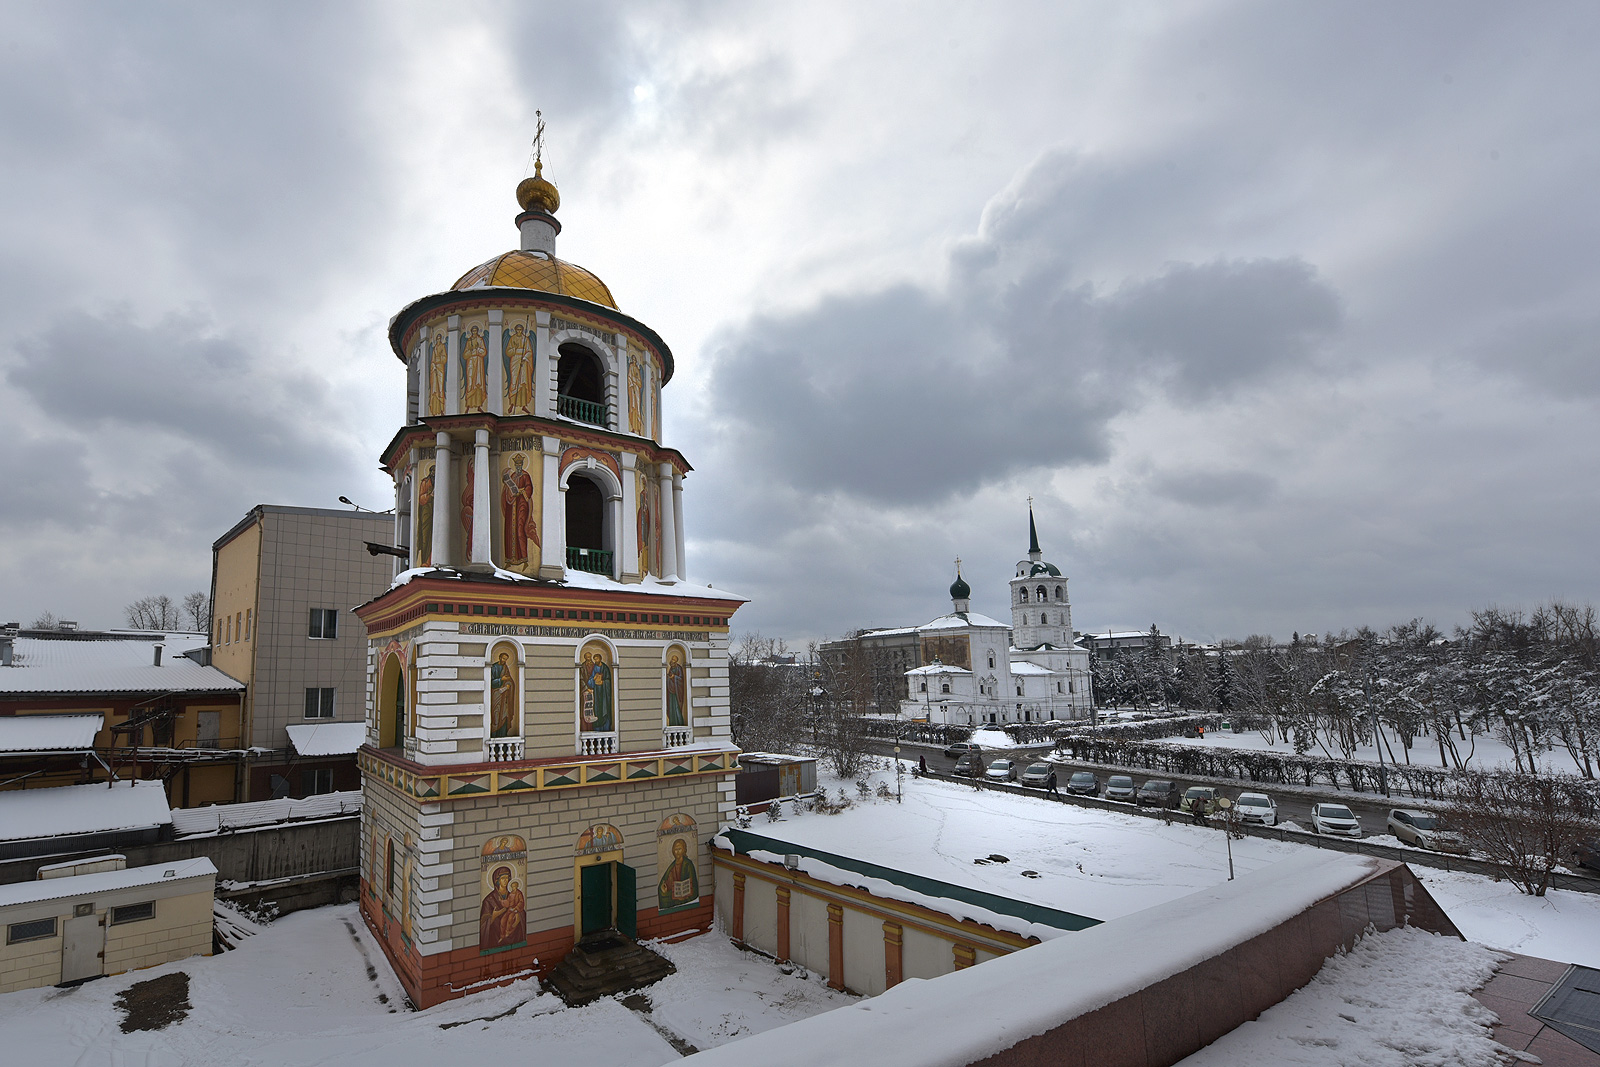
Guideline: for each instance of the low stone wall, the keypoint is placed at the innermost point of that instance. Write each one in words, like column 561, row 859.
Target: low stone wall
column 1144, row 990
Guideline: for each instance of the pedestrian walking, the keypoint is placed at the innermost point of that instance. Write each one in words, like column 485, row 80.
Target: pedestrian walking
column 922, row 764
column 1050, row 785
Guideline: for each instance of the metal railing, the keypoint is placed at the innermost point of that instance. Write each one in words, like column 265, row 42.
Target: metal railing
column 583, row 410
column 593, row 560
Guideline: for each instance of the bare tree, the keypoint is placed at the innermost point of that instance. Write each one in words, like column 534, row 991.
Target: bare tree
column 1524, row 824
column 197, row 612
column 153, row 613
column 766, row 694
column 47, row 620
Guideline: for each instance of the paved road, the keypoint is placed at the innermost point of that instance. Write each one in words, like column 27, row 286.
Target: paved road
column 1292, row 806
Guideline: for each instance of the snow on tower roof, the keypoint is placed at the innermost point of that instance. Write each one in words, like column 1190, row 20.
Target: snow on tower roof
column 962, row 619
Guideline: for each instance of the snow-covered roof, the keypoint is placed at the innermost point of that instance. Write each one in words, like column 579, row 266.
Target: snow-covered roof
column 49, row 733
column 82, row 885
column 939, row 668
column 111, row 665
column 1022, row 666
column 960, row 620
column 894, row 631
column 576, row 579
column 82, row 809
column 1120, row 634
column 327, row 738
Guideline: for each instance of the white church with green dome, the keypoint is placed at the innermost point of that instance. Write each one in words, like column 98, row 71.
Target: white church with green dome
column 977, row 670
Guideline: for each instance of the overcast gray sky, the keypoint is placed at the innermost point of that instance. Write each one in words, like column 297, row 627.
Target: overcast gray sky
column 1286, row 315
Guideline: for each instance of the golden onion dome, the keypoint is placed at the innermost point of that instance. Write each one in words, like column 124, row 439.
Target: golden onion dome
column 536, row 194
column 536, row 270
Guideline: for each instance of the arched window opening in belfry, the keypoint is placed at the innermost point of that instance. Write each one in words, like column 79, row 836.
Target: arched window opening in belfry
column 1022, row 596
column 588, row 546
column 581, row 386
column 1059, row 594
column 1042, row 593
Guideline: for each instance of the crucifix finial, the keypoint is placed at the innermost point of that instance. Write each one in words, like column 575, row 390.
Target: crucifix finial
column 958, row 566
column 538, row 143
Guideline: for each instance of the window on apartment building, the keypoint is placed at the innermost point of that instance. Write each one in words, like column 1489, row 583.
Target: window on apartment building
column 316, row 781
column 319, row 703
column 324, row 623
column 229, row 631
column 132, row 913
column 389, row 875
column 36, row 930
column 248, row 612
column 217, row 625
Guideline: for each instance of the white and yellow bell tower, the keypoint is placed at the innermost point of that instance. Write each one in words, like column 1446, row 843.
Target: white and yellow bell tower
column 548, row 725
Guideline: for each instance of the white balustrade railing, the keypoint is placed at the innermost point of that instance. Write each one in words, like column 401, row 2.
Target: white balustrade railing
column 504, row 748
column 677, row 736
column 597, row 744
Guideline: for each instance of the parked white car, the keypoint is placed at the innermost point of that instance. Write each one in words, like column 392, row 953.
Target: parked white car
column 1001, row 770
column 1334, row 819
column 1257, row 807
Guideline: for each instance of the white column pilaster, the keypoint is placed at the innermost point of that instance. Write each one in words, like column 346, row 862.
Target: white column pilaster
column 544, row 403
column 669, row 525
column 452, row 368
column 411, row 519
column 628, row 541
column 553, row 543
column 444, row 510
column 482, row 521
column 497, row 364
column 677, row 525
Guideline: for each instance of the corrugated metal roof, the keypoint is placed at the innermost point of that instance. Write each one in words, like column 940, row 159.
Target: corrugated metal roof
column 327, row 738
column 79, row 885
column 81, row 809
column 49, row 733
column 111, row 665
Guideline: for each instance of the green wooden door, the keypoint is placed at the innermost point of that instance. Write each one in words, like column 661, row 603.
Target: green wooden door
column 627, row 901
column 596, row 889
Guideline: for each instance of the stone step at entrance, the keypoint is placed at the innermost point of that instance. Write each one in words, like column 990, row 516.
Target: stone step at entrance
column 605, row 963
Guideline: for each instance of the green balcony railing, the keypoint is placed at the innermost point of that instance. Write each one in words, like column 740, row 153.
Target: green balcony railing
column 593, row 560
column 583, row 410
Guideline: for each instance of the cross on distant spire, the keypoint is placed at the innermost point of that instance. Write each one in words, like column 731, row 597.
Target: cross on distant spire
column 958, row 566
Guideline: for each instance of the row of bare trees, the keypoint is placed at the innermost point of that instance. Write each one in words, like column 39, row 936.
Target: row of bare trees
column 1530, row 680
column 787, row 702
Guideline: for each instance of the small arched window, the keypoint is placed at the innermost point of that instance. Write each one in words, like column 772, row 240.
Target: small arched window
column 991, row 661
column 1059, row 595
column 944, row 687
column 922, row 687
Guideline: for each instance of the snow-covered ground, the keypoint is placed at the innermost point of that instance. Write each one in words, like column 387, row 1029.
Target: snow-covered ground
column 313, row 988
column 1398, row 999
column 1104, row 864
column 1486, row 752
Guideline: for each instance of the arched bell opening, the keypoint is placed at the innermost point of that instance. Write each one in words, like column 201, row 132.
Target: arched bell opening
column 590, row 540
column 581, row 385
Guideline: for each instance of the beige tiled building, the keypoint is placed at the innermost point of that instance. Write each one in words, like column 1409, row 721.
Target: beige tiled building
column 283, row 582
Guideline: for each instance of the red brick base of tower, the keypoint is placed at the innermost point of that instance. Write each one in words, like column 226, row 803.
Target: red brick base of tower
column 430, row 980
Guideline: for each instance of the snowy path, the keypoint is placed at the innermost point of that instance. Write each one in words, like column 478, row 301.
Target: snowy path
column 302, row 994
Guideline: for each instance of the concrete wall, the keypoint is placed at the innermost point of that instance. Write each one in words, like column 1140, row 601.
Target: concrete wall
column 931, row 942
column 287, row 851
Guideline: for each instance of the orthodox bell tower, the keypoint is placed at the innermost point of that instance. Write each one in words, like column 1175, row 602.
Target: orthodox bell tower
column 1041, row 611
column 548, row 740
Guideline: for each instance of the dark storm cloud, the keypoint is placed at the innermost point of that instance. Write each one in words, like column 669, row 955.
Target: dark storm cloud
column 912, row 395
column 103, row 374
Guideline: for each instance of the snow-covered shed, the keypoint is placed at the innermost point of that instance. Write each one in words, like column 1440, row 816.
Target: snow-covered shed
column 70, row 928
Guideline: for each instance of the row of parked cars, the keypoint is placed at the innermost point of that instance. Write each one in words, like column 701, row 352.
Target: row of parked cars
column 1419, row 828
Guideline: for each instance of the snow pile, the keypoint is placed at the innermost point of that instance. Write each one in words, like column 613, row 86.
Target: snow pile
column 327, row 738
column 1400, row 998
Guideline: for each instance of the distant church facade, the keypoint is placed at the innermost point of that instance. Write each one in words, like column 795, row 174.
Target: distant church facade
column 548, row 737
column 976, row 670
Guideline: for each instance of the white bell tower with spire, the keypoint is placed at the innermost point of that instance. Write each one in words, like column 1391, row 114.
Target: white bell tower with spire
column 1041, row 611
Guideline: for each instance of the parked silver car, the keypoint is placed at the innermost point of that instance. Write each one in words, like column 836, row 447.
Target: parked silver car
column 1001, row 770
column 1119, row 787
column 1424, row 830
column 1037, row 774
